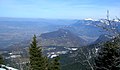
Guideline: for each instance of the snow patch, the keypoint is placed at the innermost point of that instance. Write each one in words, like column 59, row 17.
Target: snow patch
column 89, row 19
column 96, row 50
column 52, row 56
column 74, row 49
column 116, row 20
column 8, row 68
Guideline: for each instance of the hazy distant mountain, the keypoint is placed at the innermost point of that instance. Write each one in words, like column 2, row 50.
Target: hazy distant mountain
column 86, row 29
column 61, row 37
column 40, row 20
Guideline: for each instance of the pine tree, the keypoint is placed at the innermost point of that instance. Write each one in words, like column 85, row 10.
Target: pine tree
column 55, row 65
column 37, row 60
column 1, row 60
column 109, row 57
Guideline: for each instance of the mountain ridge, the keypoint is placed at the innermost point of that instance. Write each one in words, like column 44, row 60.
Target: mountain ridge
column 62, row 37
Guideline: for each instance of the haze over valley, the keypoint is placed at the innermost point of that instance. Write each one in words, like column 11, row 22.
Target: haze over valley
column 60, row 35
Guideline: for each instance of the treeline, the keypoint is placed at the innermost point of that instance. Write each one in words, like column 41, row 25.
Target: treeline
column 108, row 57
column 40, row 62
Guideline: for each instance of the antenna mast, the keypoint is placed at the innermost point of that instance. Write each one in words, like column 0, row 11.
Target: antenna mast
column 107, row 14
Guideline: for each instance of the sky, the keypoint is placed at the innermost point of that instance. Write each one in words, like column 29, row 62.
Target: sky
column 59, row 9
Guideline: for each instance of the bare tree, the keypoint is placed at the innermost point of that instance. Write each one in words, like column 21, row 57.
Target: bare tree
column 87, row 57
column 110, row 26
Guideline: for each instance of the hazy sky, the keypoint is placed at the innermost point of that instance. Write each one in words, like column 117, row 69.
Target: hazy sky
column 64, row 9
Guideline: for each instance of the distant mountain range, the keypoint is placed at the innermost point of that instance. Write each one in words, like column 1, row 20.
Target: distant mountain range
column 17, row 30
column 86, row 29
